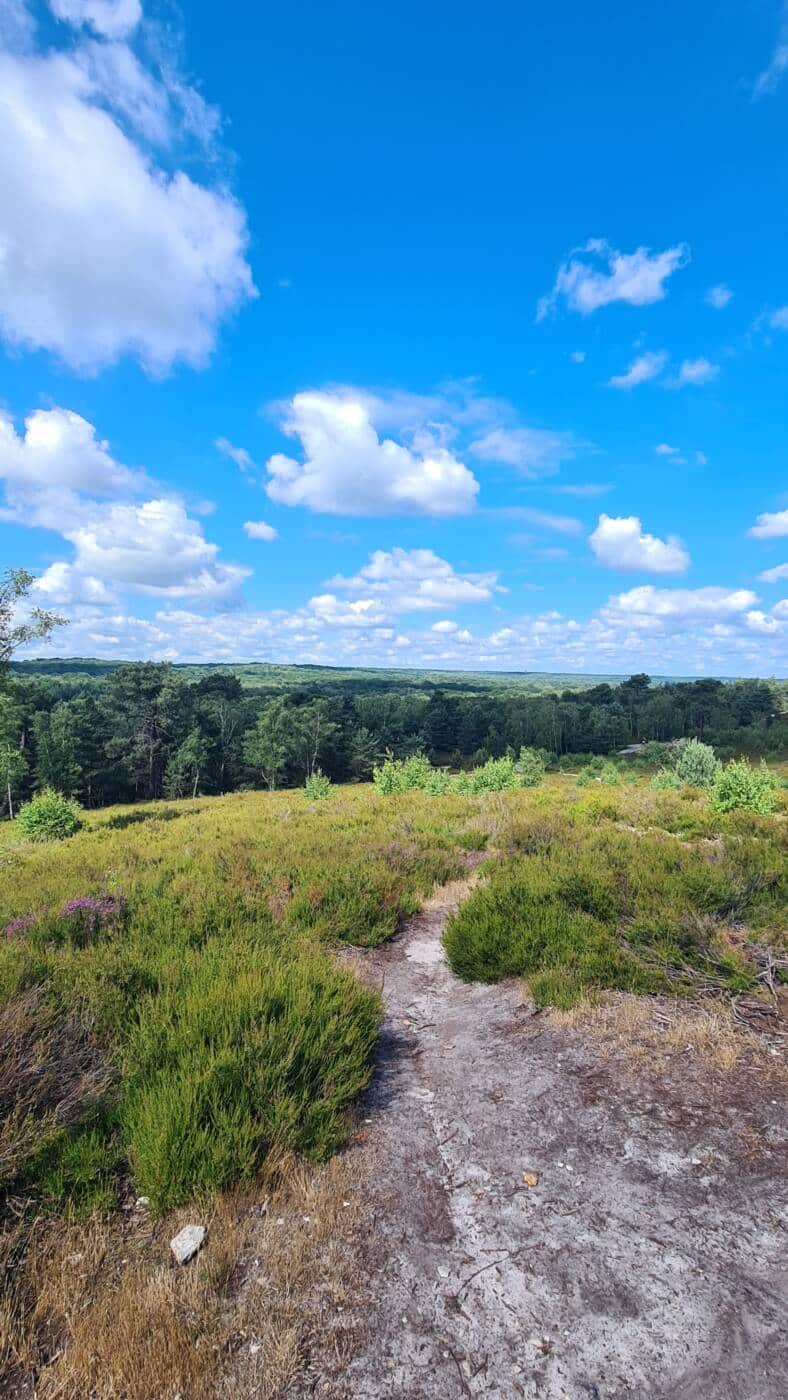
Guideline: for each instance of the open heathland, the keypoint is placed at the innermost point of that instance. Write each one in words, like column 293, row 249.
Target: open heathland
column 181, row 1022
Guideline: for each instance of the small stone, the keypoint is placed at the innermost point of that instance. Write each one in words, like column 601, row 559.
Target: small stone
column 531, row 1178
column 188, row 1242
column 142, row 1202
column 443, row 1272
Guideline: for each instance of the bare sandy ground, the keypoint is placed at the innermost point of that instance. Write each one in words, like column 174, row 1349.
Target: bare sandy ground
column 647, row 1258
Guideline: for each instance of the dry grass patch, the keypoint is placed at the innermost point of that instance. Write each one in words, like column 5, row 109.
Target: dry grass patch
column 649, row 1032
column 270, row 1305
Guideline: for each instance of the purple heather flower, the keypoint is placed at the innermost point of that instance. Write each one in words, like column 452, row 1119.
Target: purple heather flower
column 19, row 926
column 94, row 912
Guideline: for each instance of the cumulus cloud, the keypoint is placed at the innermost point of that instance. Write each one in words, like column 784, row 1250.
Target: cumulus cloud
column 59, row 475
column 681, row 603
column 59, row 450
column 643, row 368
column 771, row 525
column 718, row 296
column 114, row 19
column 534, row 452
column 260, row 530
column 154, row 548
column 63, row 585
column 348, row 468
column 664, row 449
column 700, row 371
column 412, row 580
column 620, row 543
column 780, row 571
column 596, row 275
column 146, row 262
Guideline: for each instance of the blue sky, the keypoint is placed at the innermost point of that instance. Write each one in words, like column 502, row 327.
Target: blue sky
column 423, row 335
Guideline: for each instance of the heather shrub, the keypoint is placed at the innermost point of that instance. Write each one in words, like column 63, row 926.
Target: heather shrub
column 48, row 817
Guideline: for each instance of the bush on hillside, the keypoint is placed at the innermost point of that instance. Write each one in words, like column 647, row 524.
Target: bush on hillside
column 739, row 785
column 49, row 816
column 696, row 764
column 317, row 787
column 530, row 766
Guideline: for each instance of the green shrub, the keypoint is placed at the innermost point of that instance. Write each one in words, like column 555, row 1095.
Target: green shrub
column 317, row 787
column 49, row 816
column 599, row 770
column 664, row 780
column 530, row 767
column 412, row 774
column 496, row 775
column 739, row 785
column 696, row 764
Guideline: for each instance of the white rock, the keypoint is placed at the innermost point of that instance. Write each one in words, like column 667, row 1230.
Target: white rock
column 188, row 1242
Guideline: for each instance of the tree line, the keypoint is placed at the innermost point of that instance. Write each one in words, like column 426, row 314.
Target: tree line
column 145, row 732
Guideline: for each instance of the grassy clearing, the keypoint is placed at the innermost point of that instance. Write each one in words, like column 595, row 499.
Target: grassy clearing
column 179, row 958
column 631, row 889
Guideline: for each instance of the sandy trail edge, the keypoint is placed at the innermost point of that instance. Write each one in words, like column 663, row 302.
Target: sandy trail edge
column 650, row 1259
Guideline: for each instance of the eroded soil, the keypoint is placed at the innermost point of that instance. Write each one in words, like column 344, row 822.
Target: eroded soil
column 649, row 1260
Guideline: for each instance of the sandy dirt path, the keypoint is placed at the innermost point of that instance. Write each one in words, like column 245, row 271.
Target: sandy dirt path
column 648, row 1261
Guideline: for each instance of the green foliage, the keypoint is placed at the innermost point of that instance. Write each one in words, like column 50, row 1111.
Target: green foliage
column 15, row 585
column 209, row 983
column 531, row 767
column 599, row 771
column 665, row 780
column 696, row 764
column 593, row 905
column 49, row 816
column 317, row 787
column 739, row 785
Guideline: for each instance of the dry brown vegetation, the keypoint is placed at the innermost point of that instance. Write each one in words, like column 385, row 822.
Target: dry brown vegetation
column 647, row 1033
column 272, row 1303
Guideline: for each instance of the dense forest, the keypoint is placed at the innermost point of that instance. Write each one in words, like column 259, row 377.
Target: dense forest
column 146, row 730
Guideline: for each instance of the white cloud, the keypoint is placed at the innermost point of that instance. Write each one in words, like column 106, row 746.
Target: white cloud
column 718, row 296
column 584, row 488
column 446, row 626
column 778, row 319
column 114, row 19
column 534, row 452
column 700, row 371
column 145, row 262
column 239, row 455
column 58, row 451
column 769, row 79
column 59, row 475
column 771, row 525
column 636, row 278
column 643, row 368
column 780, row 571
column 348, row 469
column 680, row 603
column 577, row 357
column 153, row 548
column 260, row 530
column 62, row 585
column 619, row 542
column 759, row 621
column 417, row 579
column 543, row 519
column 701, row 459
column 664, row 449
